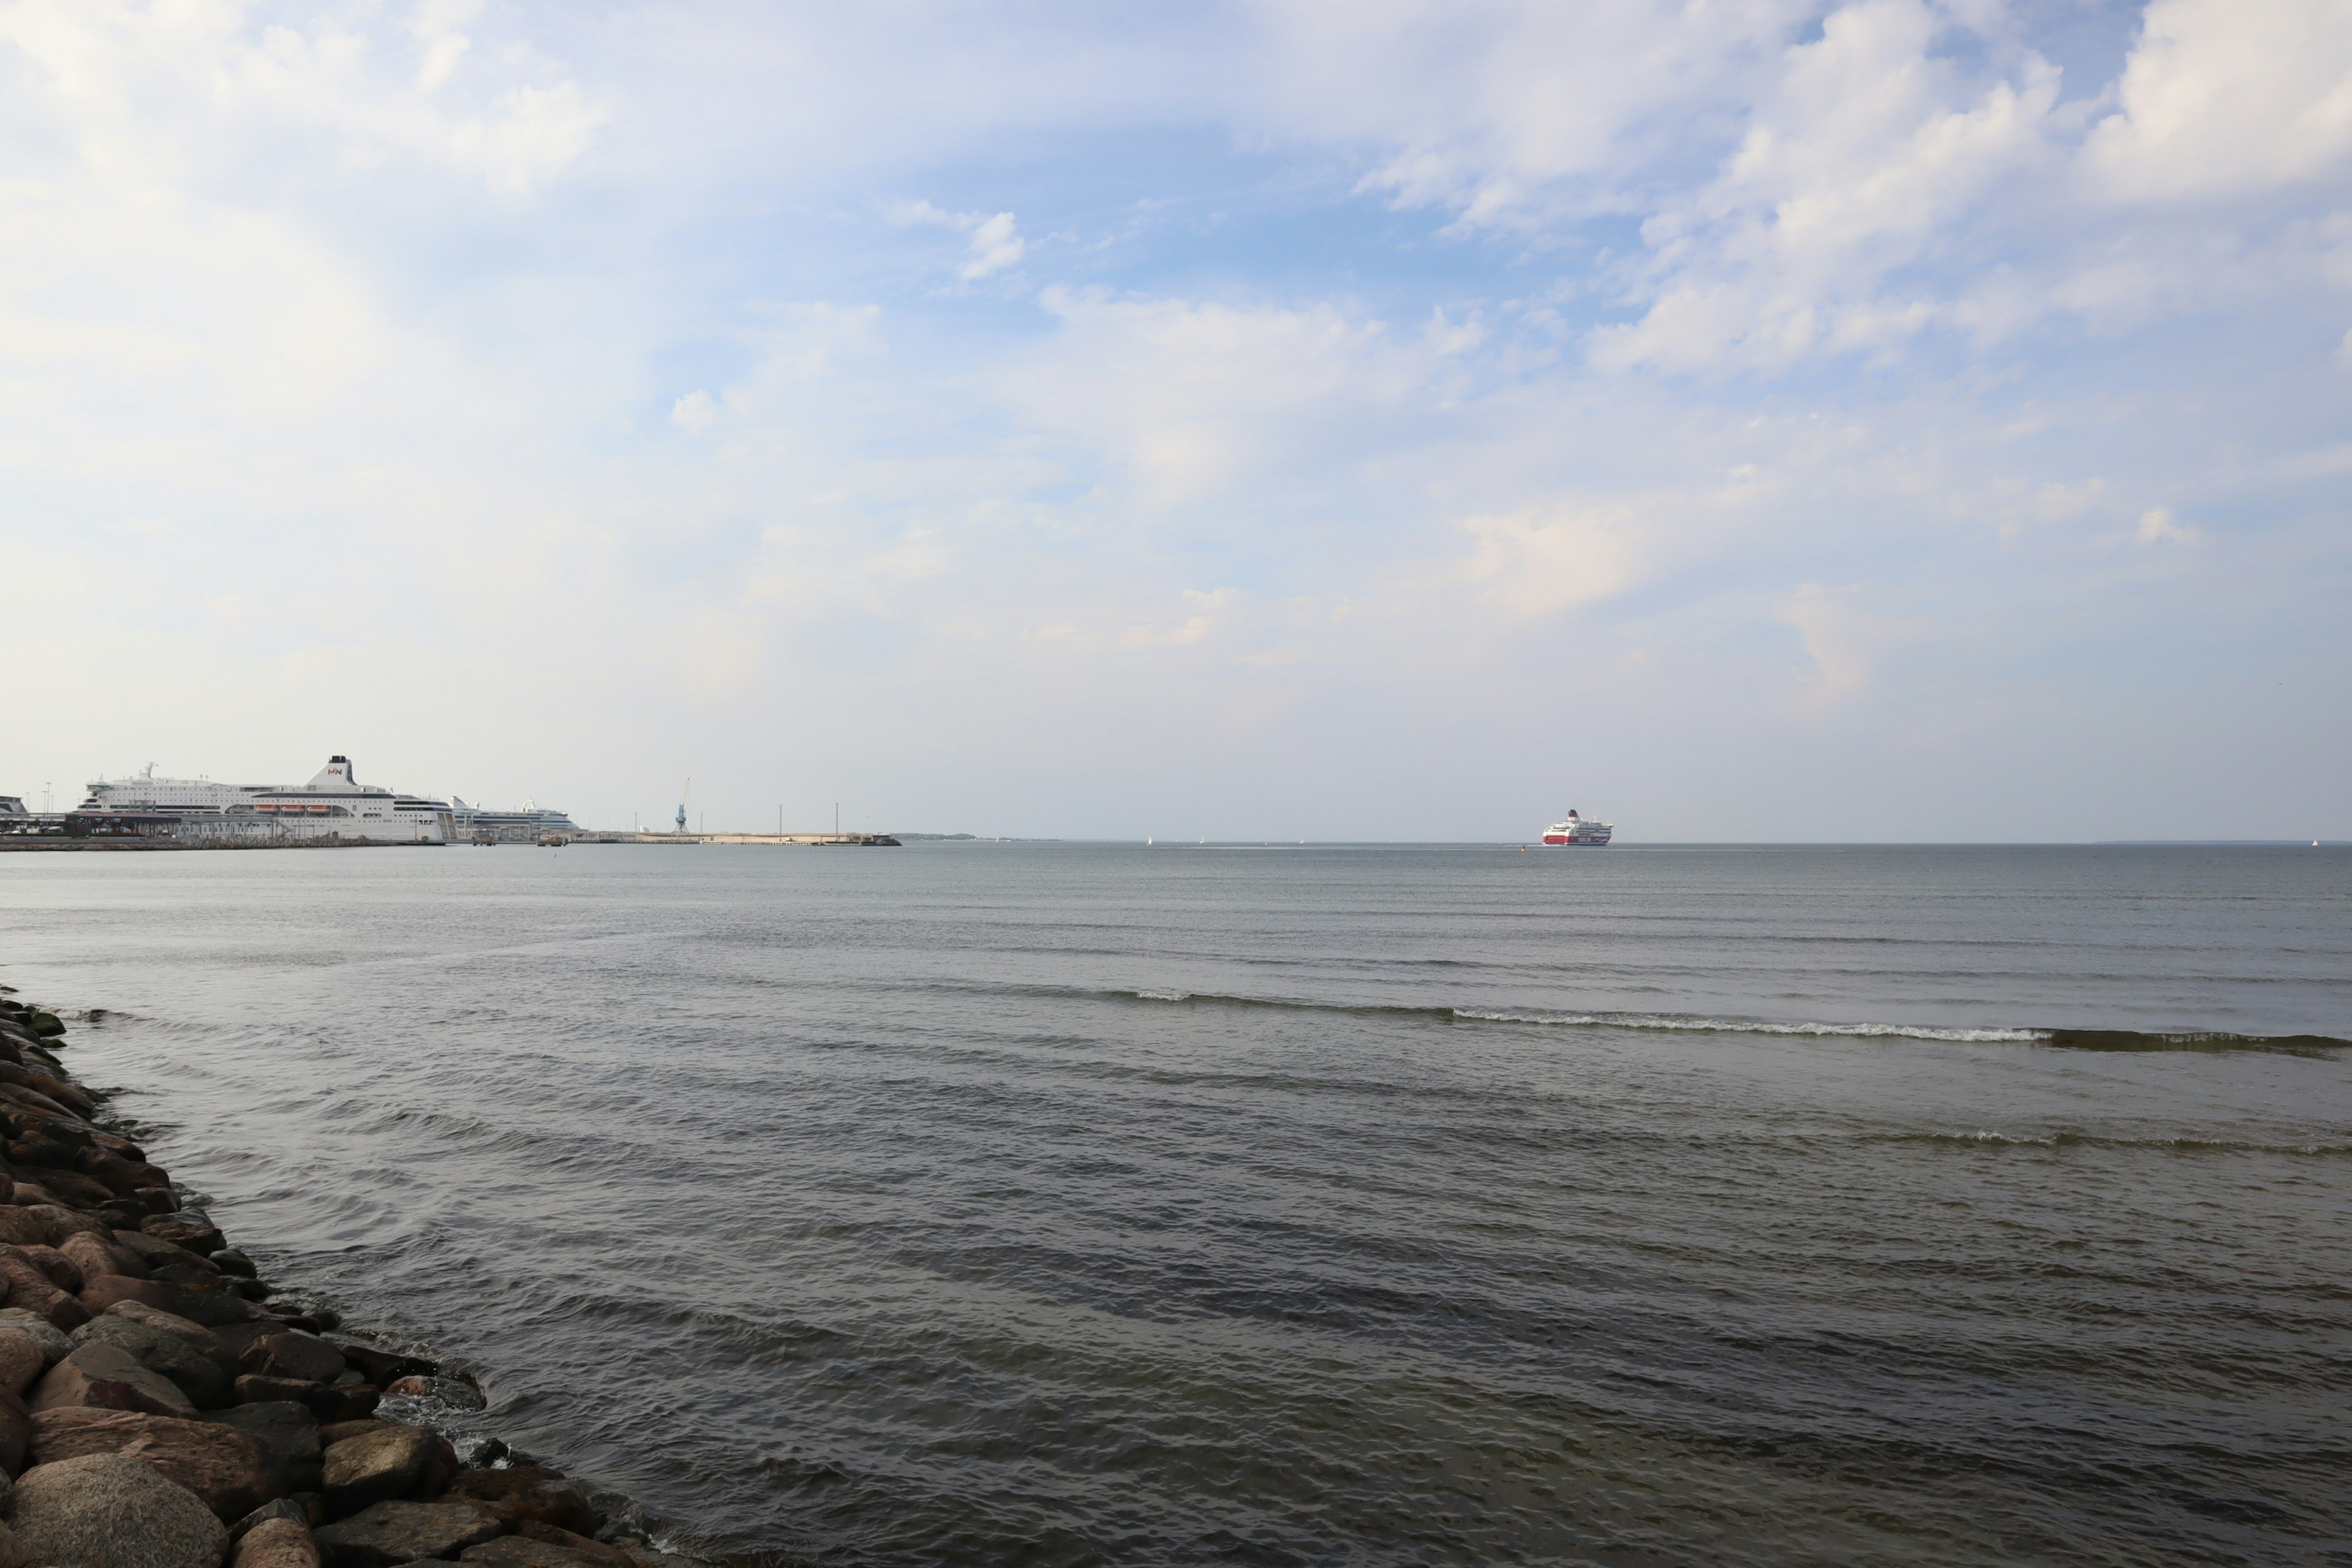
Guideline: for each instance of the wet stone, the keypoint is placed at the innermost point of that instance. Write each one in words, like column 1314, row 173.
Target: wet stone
column 387, row 1533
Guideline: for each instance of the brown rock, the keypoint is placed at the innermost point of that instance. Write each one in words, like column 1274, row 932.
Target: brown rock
column 15, row 1434
column 290, row 1353
column 219, row 1464
column 107, row 1377
column 553, row 1535
column 152, row 1251
column 190, row 1230
column 530, row 1492
column 58, row 1222
column 387, row 1533
column 19, row 1229
column 34, row 1291
column 62, row 1272
column 76, row 1190
column 100, row 1294
column 381, row 1367
column 377, row 1466
column 30, row 1194
column 336, row 1432
column 97, row 1257
column 22, row 1360
column 203, row 1340
column 287, row 1433
column 277, row 1543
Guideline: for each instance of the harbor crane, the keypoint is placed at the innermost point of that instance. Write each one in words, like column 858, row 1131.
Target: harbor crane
column 681, row 805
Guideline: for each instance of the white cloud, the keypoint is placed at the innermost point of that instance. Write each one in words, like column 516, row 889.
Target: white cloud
column 694, row 413
column 2229, row 98
column 994, row 242
column 2158, row 526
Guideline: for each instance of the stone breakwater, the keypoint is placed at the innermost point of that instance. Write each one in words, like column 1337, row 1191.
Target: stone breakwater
column 160, row 1406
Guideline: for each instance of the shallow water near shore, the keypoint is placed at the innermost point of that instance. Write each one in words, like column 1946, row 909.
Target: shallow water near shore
column 1064, row 1204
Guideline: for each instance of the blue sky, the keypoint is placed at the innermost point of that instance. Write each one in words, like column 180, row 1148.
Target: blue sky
column 1405, row 419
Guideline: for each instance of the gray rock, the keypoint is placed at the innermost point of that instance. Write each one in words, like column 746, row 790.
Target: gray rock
column 219, row 1464
column 287, row 1432
column 107, row 1377
column 55, row 1345
column 387, row 1533
column 207, row 1340
column 195, row 1373
column 103, row 1510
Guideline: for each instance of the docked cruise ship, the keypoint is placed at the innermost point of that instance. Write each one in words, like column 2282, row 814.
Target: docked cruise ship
column 332, row 805
column 532, row 823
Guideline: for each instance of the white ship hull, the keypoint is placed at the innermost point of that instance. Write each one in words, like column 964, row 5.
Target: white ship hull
column 1577, row 832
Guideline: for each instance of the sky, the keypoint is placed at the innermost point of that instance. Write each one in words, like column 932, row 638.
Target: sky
column 1340, row 419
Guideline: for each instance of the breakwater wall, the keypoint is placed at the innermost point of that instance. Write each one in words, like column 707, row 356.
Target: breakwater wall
column 162, row 1406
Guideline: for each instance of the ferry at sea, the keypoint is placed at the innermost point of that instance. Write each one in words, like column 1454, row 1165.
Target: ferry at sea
column 1576, row 830
column 331, row 804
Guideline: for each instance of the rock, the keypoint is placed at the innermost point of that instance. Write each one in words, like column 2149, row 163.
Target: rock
column 103, row 1510
column 61, row 1271
column 152, row 1251
column 530, row 1491
column 287, row 1433
column 100, row 1294
column 596, row 1551
column 22, row 1360
column 277, row 1543
column 58, row 1222
column 44, row 1026
column 96, row 1258
column 212, row 1301
column 386, row 1534
column 34, row 1291
column 521, row 1552
column 106, row 1377
column 209, row 1343
column 290, row 1353
column 646, row 1556
column 195, row 1373
column 76, row 1190
column 382, row 1367
column 16, row 1433
column 377, row 1466
column 220, row 1464
column 325, row 1401
column 55, row 1345
column 230, row 1260
column 18, row 1227
column 344, row 1431
column 30, row 1194
column 188, row 1229
column 284, row 1508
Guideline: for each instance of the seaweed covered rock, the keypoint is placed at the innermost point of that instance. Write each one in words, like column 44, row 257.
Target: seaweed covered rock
column 102, row 1511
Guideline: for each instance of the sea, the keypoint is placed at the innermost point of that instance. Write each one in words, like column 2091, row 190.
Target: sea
column 1067, row 1204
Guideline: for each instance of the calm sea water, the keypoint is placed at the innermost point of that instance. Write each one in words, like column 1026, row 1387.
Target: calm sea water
column 1062, row 1204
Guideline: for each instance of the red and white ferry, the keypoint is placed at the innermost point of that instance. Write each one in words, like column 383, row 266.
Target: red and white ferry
column 1576, row 830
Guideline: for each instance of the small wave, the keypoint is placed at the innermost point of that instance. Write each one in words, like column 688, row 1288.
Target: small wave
column 1696, row 1024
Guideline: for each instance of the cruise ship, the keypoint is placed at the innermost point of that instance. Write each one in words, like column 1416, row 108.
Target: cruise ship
column 479, row 824
column 332, row 805
column 1576, row 830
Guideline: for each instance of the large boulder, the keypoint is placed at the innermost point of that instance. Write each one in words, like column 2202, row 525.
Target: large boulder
column 530, row 1492
column 548, row 1535
column 16, row 1433
column 277, row 1543
column 20, row 1227
column 287, row 1433
column 204, row 1340
column 105, row 1510
column 377, row 1466
column 291, row 1353
column 386, row 1534
column 193, row 1373
column 150, row 1250
column 23, row 1358
column 99, row 1294
column 107, row 1377
column 219, row 1464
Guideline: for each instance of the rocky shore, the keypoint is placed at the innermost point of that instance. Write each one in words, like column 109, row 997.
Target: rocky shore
column 162, row 1407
